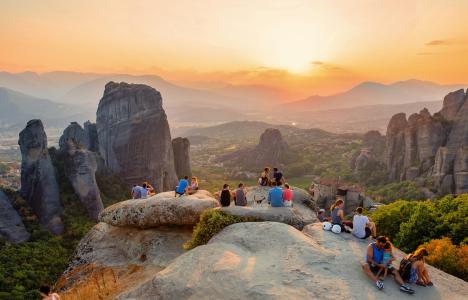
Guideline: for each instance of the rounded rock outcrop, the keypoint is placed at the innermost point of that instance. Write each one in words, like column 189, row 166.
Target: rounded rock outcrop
column 160, row 210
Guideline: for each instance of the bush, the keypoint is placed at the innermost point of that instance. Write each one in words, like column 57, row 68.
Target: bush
column 388, row 218
column 212, row 221
column 448, row 257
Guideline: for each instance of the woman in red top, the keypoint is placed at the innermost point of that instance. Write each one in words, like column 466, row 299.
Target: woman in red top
column 287, row 196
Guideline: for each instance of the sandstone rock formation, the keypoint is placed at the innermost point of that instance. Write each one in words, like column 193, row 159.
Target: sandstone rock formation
column 275, row 261
column 80, row 166
column 11, row 225
column 428, row 145
column 92, row 136
column 38, row 183
column 181, row 148
column 134, row 137
column 160, row 210
column 271, row 149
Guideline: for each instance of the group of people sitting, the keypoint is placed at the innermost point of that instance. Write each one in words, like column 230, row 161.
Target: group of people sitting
column 265, row 179
column 185, row 188
column 142, row 191
column 277, row 196
column 379, row 255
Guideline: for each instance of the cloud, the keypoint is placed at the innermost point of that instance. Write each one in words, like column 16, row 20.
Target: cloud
column 439, row 43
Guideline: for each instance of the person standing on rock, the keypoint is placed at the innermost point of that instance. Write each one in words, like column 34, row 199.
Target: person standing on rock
column 225, row 197
column 181, row 189
column 287, row 196
column 275, row 196
column 240, row 198
column 374, row 263
column 278, row 177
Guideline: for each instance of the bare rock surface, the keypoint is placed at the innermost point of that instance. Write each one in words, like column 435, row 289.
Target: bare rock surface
column 38, row 183
column 134, row 137
column 163, row 209
column 181, row 148
column 271, row 260
column 11, row 225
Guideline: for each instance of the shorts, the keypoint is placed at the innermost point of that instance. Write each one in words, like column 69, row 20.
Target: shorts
column 375, row 269
column 368, row 233
column 181, row 194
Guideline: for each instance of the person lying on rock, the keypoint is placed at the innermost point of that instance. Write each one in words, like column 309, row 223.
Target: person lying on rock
column 275, row 196
column 362, row 226
column 337, row 216
column 193, row 188
column 374, row 262
column 225, row 197
column 181, row 188
column 287, row 196
column 413, row 268
column 240, row 195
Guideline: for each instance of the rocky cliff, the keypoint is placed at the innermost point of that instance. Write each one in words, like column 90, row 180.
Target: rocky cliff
column 181, row 148
column 80, row 166
column 38, row 183
column 134, row 137
column 434, row 146
column 11, row 225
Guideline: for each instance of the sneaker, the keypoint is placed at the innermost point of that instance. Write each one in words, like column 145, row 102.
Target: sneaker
column 379, row 284
column 406, row 289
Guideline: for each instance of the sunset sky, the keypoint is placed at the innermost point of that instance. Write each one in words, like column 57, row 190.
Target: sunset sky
column 305, row 47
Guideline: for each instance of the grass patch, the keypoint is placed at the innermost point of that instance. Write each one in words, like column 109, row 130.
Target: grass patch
column 211, row 222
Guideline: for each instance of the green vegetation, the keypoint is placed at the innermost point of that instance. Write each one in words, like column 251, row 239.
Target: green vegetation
column 411, row 224
column 41, row 260
column 388, row 193
column 211, row 222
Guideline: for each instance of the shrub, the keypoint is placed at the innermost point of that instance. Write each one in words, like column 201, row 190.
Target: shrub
column 448, row 257
column 212, row 221
column 389, row 217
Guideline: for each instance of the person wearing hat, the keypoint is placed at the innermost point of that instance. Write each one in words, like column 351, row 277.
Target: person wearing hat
column 321, row 215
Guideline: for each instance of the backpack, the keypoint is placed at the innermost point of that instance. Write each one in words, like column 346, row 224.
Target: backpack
column 405, row 269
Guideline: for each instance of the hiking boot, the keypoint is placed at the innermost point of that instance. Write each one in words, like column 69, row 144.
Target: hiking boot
column 406, row 289
column 379, row 284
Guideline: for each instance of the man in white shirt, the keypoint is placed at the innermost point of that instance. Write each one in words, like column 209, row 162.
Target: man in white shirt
column 362, row 225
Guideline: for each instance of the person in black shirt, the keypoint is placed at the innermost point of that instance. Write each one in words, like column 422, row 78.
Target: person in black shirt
column 225, row 197
column 278, row 176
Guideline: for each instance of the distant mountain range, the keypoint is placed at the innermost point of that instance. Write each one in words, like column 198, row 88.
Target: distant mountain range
column 366, row 106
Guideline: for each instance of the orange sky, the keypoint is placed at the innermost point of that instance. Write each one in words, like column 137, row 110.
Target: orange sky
column 305, row 47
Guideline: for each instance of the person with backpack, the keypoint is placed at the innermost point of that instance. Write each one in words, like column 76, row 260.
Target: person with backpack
column 374, row 263
column 413, row 269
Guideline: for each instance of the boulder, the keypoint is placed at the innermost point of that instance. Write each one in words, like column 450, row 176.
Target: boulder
column 134, row 137
column 160, row 210
column 269, row 260
column 11, row 225
column 181, row 148
column 110, row 259
column 38, row 183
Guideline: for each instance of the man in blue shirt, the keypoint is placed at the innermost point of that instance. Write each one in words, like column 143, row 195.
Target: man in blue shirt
column 144, row 191
column 275, row 196
column 182, row 187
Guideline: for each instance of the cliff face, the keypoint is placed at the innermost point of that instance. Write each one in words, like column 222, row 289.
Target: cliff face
column 11, row 225
column 181, row 148
column 38, row 184
column 134, row 137
column 80, row 166
column 428, row 145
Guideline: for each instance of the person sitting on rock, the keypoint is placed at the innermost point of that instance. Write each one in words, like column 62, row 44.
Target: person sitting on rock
column 181, row 189
column 413, row 268
column 225, row 197
column 240, row 194
column 275, row 196
column 46, row 293
column 337, row 216
column 136, row 192
column 387, row 260
column 278, row 177
column 374, row 262
column 144, row 191
column 265, row 177
column 362, row 226
column 150, row 189
column 287, row 195
column 193, row 188
column 321, row 215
